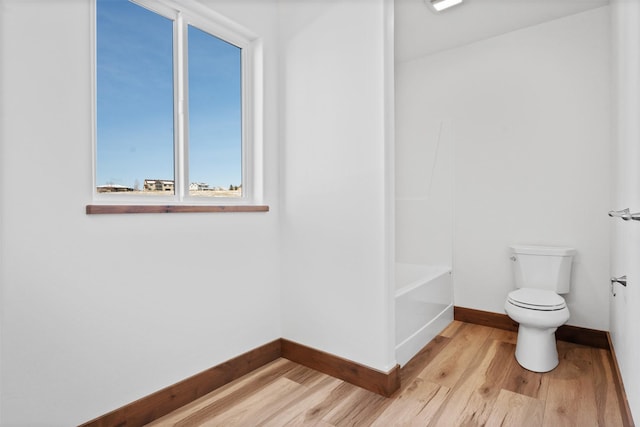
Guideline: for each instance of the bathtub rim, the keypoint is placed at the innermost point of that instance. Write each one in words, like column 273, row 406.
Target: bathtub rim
column 432, row 272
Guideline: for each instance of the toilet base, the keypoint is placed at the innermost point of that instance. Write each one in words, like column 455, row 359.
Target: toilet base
column 536, row 348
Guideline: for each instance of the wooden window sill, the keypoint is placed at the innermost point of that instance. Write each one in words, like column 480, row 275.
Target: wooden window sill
column 130, row 209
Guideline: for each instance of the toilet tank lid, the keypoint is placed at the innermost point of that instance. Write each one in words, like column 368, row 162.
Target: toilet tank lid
column 542, row 250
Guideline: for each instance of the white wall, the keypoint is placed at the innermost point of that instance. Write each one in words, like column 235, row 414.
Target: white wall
column 335, row 293
column 98, row 311
column 625, row 242
column 529, row 115
column 80, row 339
column 424, row 181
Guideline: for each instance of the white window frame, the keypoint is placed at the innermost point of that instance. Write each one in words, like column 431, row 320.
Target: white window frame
column 184, row 13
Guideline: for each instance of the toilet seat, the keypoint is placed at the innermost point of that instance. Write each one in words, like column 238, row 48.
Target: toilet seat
column 536, row 299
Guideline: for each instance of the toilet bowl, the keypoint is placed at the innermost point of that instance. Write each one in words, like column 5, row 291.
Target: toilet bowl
column 541, row 274
column 539, row 313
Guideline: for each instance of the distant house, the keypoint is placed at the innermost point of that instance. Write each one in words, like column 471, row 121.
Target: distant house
column 112, row 188
column 158, row 185
column 198, row 186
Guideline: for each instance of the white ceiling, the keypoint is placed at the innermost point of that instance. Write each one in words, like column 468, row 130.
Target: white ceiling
column 419, row 31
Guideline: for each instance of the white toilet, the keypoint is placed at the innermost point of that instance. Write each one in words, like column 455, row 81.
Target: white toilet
column 541, row 273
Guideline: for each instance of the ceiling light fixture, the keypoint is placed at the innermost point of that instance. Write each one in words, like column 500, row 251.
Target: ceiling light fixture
column 440, row 5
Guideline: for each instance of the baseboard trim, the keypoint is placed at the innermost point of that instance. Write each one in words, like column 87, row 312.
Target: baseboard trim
column 169, row 399
column 573, row 334
column 625, row 410
column 484, row 318
column 584, row 336
column 383, row 383
column 160, row 403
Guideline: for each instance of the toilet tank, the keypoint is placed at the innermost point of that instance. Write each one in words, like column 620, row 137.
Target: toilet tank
column 542, row 267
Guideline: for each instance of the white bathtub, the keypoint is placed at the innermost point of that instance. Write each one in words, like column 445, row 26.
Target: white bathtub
column 424, row 306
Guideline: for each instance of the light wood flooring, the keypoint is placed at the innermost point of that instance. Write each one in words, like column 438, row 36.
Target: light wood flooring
column 467, row 376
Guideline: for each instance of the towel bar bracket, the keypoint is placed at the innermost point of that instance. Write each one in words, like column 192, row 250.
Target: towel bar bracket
column 621, row 280
column 625, row 215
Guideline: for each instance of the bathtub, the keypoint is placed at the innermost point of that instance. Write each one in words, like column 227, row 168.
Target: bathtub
column 424, row 306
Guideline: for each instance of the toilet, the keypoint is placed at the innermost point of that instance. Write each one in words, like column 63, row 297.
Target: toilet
column 541, row 274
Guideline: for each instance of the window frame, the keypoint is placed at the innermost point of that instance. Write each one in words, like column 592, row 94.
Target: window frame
column 183, row 14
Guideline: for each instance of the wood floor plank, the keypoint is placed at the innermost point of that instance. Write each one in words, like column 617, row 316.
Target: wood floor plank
column 317, row 409
column 225, row 396
column 305, row 409
column 360, row 408
column 504, row 335
column 416, row 405
column 571, row 397
column 522, row 381
column 514, row 409
column 472, row 399
column 450, row 363
column 424, row 357
column 562, row 407
column 255, row 408
column 608, row 407
column 451, row 329
column 305, row 376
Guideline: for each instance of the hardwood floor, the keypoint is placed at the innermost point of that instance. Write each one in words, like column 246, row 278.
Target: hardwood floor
column 467, row 376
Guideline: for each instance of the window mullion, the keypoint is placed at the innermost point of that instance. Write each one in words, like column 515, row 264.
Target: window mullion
column 181, row 108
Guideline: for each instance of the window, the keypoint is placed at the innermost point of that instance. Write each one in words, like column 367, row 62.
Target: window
column 175, row 105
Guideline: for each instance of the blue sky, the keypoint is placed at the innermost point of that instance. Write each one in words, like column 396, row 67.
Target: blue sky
column 135, row 100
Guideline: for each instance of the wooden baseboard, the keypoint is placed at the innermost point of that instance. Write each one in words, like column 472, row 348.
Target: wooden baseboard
column 160, row 403
column 584, row 336
column 625, row 410
column 574, row 334
column 169, row 399
column 484, row 318
column 383, row 383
